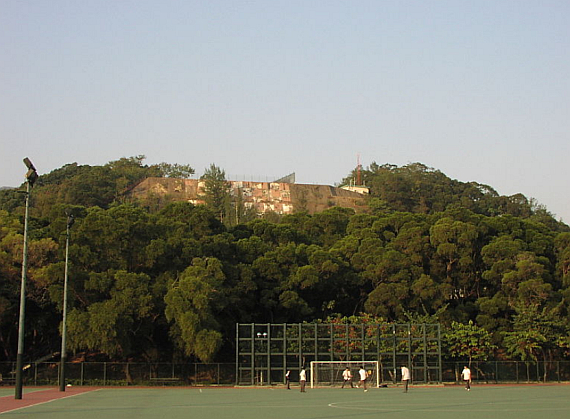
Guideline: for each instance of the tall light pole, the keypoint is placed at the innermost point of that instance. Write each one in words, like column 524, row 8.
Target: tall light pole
column 31, row 177
column 70, row 220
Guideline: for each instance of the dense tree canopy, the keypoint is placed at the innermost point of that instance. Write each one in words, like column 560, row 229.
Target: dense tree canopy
column 173, row 281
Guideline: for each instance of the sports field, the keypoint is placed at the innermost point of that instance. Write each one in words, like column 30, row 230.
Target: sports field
column 521, row 402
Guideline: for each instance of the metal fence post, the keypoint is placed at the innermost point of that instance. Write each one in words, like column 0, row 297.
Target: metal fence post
column 237, row 355
column 268, row 343
column 394, row 352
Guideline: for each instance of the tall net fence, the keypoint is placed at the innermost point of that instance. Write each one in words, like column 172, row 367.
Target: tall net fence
column 265, row 352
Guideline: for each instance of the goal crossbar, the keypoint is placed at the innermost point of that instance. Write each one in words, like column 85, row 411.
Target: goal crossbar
column 372, row 368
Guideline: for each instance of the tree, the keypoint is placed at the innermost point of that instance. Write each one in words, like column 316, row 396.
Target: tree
column 324, row 281
column 536, row 333
column 178, row 171
column 193, row 304
column 119, row 322
column 41, row 326
column 89, row 186
column 216, row 190
column 327, row 227
column 10, row 274
column 562, row 244
column 455, row 245
column 525, row 345
column 115, row 238
column 525, row 284
column 467, row 341
column 499, row 257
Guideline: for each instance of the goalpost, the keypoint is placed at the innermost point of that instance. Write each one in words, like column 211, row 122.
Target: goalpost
column 329, row 373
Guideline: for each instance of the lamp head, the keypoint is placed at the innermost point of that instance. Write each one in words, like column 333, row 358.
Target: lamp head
column 29, row 164
column 32, row 174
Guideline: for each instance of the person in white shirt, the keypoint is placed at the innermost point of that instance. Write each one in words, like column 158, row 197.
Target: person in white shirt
column 406, row 377
column 347, row 376
column 466, row 375
column 363, row 376
column 303, row 379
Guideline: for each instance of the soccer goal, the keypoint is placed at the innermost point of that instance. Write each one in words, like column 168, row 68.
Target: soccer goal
column 329, row 373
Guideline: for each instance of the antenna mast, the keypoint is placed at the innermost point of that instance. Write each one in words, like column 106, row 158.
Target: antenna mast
column 358, row 169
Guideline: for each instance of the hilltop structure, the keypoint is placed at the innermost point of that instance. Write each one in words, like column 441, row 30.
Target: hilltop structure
column 281, row 197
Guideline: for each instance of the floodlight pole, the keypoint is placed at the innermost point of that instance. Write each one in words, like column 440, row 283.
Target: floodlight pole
column 31, row 177
column 64, row 325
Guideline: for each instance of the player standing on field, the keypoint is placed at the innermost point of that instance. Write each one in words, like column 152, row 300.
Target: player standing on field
column 405, row 377
column 363, row 376
column 303, row 379
column 347, row 376
column 466, row 375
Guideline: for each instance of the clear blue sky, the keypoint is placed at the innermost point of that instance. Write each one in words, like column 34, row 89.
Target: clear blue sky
column 477, row 89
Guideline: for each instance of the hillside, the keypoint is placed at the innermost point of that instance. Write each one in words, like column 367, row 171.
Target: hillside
column 417, row 188
column 158, row 278
column 413, row 188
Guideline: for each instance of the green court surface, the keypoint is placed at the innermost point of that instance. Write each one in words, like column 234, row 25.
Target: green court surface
column 6, row 391
column 521, row 402
column 10, row 391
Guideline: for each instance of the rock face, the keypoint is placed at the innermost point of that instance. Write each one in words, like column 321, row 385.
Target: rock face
column 277, row 197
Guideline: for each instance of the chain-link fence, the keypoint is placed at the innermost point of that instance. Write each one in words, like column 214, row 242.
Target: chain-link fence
column 509, row 371
column 123, row 374
column 129, row 373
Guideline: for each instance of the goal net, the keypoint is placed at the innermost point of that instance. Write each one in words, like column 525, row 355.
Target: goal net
column 329, row 373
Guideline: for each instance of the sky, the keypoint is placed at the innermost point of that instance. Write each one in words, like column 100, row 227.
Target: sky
column 477, row 89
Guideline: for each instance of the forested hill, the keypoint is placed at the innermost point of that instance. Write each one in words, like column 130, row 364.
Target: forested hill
column 170, row 280
column 413, row 188
column 417, row 188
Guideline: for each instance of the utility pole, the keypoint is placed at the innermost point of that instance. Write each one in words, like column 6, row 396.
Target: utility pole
column 70, row 221
column 31, row 177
